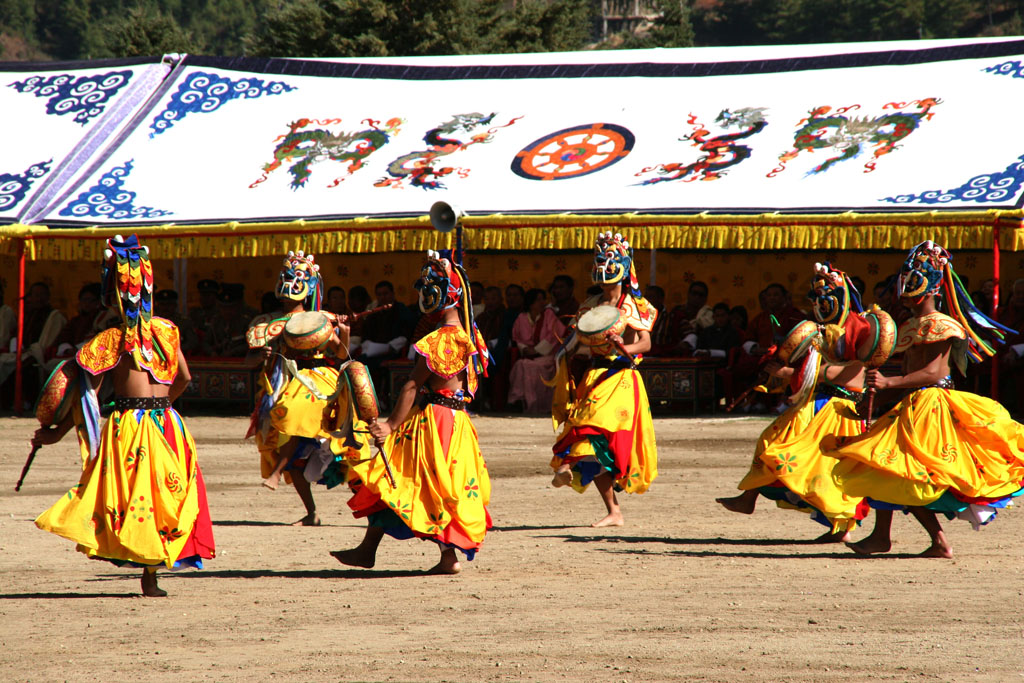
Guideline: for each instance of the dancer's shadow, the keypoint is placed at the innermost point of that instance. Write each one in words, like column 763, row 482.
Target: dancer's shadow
column 63, row 596
column 528, row 527
column 298, row 574
column 841, row 552
column 839, row 555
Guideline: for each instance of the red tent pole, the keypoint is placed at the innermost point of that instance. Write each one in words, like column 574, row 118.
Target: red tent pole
column 21, row 327
column 995, row 304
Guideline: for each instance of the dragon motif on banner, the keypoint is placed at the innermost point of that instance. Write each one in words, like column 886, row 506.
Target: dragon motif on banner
column 85, row 96
column 14, row 186
column 848, row 136
column 718, row 153
column 303, row 147
column 420, row 168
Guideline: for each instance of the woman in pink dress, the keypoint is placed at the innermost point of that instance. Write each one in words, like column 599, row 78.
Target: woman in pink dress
column 535, row 333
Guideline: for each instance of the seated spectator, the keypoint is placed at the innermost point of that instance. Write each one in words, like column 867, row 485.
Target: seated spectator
column 716, row 340
column 534, row 335
column 165, row 305
column 8, row 322
column 92, row 319
column 738, row 319
column 203, row 315
column 43, row 324
column 269, row 303
column 563, row 302
column 983, row 297
column 503, row 355
column 655, row 296
column 336, row 302
column 237, row 292
column 477, row 290
column 490, row 320
column 777, row 317
column 358, row 301
column 688, row 318
column 226, row 338
column 889, row 301
column 385, row 334
column 1011, row 359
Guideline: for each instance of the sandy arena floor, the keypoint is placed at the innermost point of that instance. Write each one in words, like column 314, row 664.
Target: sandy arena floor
column 684, row 592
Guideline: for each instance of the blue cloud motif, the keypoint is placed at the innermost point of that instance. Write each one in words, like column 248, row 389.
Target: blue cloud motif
column 996, row 187
column 205, row 92
column 1014, row 69
column 14, row 187
column 85, row 96
column 109, row 199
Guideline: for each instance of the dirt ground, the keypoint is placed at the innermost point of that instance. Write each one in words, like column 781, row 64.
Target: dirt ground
column 685, row 591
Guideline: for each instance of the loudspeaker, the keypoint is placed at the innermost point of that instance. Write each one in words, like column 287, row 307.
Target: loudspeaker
column 444, row 217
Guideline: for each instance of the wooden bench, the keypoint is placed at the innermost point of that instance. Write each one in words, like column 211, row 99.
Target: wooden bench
column 220, row 381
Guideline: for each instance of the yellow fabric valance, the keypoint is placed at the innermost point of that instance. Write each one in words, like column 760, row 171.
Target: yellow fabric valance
column 843, row 231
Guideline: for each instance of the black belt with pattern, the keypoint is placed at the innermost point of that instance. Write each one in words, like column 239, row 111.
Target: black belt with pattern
column 310, row 363
column 602, row 362
column 442, row 400
column 142, row 403
column 944, row 383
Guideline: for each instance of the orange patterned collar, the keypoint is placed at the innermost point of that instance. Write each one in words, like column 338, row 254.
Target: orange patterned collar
column 103, row 352
column 928, row 329
column 447, row 352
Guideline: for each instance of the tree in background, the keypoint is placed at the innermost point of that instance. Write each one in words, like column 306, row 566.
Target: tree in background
column 672, row 28
column 380, row 28
column 147, row 32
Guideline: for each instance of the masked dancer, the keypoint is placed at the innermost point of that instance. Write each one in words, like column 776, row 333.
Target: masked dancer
column 607, row 434
column 442, row 486
column 141, row 499
column 824, row 364
column 937, row 450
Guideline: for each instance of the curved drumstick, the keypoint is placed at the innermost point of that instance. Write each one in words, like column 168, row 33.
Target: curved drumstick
column 28, row 464
column 622, row 349
column 387, row 467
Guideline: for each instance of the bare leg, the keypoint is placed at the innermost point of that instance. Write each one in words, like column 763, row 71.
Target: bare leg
column 303, row 489
column 940, row 547
column 743, row 503
column 274, row 479
column 449, row 563
column 365, row 554
column 604, row 484
column 563, row 475
column 880, row 540
column 149, row 587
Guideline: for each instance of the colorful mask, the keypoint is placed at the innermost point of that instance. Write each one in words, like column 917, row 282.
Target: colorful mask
column 833, row 295
column 440, row 285
column 923, row 271
column 300, row 280
column 128, row 282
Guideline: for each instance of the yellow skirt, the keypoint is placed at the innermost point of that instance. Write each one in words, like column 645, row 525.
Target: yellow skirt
column 141, row 498
column 789, row 453
column 934, row 440
column 608, row 428
column 297, row 411
column 443, row 488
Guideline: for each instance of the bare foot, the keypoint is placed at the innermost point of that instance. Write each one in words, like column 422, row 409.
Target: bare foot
column 272, row 481
column 870, row 546
column 312, row 519
column 355, row 557
column 837, row 537
column 611, row 519
column 449, row 563
column 149, row 587
column 742, row 503
column 939, row 548
column 561, row 479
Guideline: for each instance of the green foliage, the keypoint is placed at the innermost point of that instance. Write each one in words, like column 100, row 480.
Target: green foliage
column 380, row 28
column 146, row 32
column 671, row 29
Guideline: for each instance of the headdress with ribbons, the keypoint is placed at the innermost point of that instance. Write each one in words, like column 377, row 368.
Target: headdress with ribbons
column 300, row 280
column 613, row 263
column 833, row 295
column 928, row 270
column 128, row 278
column 444, row 285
